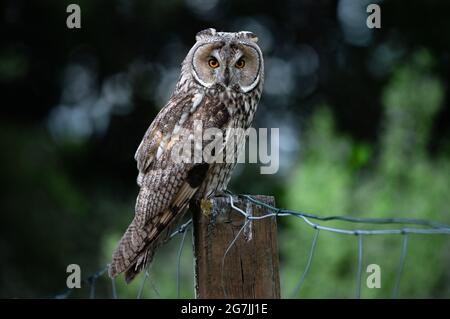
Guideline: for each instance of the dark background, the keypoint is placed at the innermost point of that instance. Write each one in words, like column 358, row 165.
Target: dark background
column 363, row 117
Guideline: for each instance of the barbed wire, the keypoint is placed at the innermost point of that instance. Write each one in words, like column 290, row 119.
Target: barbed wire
column 416, row 226
column 430, row 228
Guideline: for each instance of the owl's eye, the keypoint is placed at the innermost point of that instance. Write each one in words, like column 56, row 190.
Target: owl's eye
column 240, row 63
column 213, row 63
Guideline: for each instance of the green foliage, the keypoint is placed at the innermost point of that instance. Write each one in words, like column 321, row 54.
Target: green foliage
column 338, row 176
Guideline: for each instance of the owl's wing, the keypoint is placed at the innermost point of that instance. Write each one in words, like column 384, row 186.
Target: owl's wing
column 161, row 126
column 166, row 186
column 153, row 156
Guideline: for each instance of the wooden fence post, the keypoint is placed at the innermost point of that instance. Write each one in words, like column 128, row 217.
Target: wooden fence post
column 250, row 267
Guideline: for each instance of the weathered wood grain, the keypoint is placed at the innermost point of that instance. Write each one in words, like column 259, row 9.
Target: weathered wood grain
column 250, row 268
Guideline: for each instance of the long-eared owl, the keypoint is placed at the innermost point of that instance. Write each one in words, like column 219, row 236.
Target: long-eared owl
column 219, row 87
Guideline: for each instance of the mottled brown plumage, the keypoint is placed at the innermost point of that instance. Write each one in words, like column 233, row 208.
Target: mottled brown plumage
column 220, row 97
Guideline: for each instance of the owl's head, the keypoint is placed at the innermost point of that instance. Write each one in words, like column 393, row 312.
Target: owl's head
column 231, row 60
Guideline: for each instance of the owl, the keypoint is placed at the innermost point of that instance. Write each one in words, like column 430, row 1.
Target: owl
column 219, row 87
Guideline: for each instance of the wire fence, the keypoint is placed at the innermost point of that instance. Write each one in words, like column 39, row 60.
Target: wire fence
column 408, row 226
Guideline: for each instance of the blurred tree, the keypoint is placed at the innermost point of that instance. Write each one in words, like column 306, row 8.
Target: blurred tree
column 401, row 180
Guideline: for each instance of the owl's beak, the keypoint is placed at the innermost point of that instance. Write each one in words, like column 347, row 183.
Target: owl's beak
column 226, row 77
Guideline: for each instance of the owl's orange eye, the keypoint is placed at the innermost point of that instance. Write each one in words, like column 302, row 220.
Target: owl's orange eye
column 213, row 63
column 240, row 63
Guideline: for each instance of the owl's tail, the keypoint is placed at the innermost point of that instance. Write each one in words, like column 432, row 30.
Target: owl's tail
column 138, row 245
column 131, row 249
column 140, row 241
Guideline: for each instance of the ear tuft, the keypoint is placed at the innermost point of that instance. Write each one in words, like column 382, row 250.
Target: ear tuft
column 205, row 33
column 249, row 35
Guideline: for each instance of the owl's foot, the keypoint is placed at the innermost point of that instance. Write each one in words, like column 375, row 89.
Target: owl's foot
column 206, row 207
